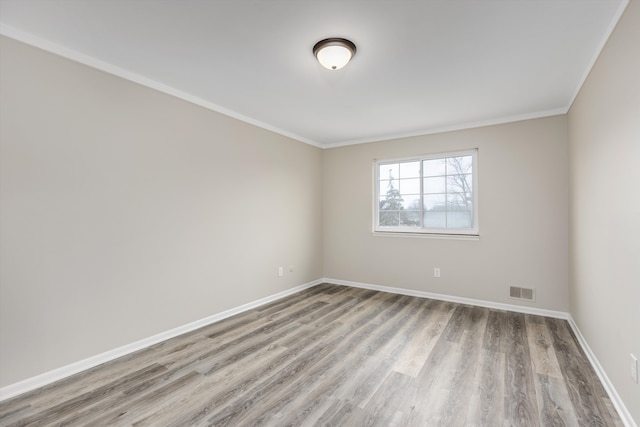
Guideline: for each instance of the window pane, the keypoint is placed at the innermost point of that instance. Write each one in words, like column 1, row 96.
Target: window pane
column 389, row 219
column 411, row 202
column 389, row 171
column 410, row 218
column 388, row 186
column 459, row 219
column 435, row 167
column 435, row 202
column 410, row 170
column 391, row 199
column 459, row 183
column 459, row 165
column 459, row 201
column 410, row 186
column 434, row 185
column 435, row 219
column 384, row 205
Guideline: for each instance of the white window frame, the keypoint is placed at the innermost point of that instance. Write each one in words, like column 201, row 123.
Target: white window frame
column 407, row 230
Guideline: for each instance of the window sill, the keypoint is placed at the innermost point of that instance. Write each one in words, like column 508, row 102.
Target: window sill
column 426, row 235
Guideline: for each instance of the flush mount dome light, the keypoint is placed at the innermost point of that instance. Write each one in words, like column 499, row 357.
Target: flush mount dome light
column 334, row 53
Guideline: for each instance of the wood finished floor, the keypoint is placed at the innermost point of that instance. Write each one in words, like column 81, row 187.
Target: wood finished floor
column 340, row 356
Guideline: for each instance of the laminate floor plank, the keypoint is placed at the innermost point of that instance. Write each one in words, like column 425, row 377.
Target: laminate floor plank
column 384, row 406
column 434, row 319
column 305, row 395
column 585, row 391
column 487, row 400
column 230, row 386
column 121, row 408
column 234, row 413
column 494, row 340
column 336, row 414
column 68, row 388
column 366, row 334
column 455, row 410
column 429, row 393
column 363, row 382
column 338, row 356
column 336, row 369
column 250, row 319
column 542, row 353
column 222, row 379
column 521, row 407
column 554, row 402
column 244, row 387
column 351, row 309
column 218, row 389
column 379, row 298
column 360, row 385
column 50, row 415
column 613, row 413
column 383, row 346
column 291, row 300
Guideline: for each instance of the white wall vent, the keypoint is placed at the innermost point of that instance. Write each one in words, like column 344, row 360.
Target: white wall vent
column 528, row 294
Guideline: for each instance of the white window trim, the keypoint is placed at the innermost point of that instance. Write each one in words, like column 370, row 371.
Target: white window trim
column 426, row 232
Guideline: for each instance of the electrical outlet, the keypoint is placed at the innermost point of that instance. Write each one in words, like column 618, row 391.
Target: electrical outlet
column 280, row 271
column 634, row 368
column 436, row 272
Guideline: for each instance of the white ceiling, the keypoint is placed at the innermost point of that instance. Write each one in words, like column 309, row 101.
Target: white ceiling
column 421, row 66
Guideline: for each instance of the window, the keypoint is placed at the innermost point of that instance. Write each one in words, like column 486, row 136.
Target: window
column 429, row 194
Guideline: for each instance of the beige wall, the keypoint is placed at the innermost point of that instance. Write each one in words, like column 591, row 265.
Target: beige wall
column 523, row 211
column 604, row 141
column 125, row 212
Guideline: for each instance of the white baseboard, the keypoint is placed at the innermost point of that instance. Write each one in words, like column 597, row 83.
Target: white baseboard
column 46, row 378
column 624, row 413
column 460, row 300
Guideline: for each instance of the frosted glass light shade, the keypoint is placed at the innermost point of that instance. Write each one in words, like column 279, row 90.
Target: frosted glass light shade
column 334, row 53
column 334, row 57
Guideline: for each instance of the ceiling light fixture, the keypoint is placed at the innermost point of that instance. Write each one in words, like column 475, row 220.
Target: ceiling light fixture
column 334, row 53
